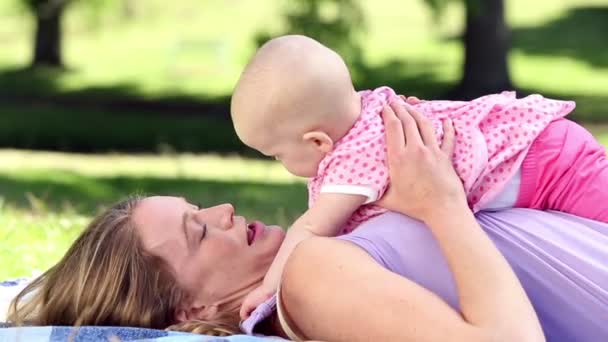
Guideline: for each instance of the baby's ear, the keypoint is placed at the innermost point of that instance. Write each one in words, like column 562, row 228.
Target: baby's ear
column 320, row 139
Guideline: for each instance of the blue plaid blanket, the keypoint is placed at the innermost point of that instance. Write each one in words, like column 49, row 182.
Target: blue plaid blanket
column 94, row 333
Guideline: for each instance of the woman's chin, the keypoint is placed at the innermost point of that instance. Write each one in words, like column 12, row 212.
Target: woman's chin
column 277, row 231
column 276, row 234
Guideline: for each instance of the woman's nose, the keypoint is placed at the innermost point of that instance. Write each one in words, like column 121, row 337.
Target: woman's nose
column 219, row 215
column 227, row 211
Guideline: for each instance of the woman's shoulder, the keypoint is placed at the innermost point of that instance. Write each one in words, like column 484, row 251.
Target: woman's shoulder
column 379, row 242
column 318, row 272
column 315, row 255
column 319, row 258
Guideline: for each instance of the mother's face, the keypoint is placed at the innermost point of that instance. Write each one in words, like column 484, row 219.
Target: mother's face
column 215, row 255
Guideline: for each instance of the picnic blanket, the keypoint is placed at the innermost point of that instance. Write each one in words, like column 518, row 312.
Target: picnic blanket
column 8, row 289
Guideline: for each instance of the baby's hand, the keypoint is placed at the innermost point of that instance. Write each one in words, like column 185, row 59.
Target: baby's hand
column 253, row 299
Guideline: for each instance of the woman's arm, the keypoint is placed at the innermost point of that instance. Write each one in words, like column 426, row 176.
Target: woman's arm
column 334, row 291
column 353, row 298
column 491, row 297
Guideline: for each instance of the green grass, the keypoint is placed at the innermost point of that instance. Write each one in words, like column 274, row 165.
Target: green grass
column 197, row 49
column 57, row 128
column 48, row 197
column 189, row 54
column 33, row 242
column 194, row 51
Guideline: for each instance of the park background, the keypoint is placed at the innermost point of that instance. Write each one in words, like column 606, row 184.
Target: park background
column 103, row 98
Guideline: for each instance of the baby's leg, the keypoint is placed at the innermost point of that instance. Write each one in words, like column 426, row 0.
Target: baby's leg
column 566, row 169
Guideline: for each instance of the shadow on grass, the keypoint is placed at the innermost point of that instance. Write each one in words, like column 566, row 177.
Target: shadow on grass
column 408, row 77
column 580, row 34
column 43, row 86
column 38, row 114
column 50, row 127
column 48, row 190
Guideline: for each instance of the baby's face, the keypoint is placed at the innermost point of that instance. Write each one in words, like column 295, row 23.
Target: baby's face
column 298, row 156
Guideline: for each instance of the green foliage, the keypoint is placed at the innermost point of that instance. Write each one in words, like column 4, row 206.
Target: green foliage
column 438, row 7
column 46, row 6
column 195, row 50
column 339, row 24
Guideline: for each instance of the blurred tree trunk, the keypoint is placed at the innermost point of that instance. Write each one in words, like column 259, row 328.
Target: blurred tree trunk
column 486, row 45
column 47, row 41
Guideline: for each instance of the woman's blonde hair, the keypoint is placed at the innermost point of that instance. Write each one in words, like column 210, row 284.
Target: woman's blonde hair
column 107, row 278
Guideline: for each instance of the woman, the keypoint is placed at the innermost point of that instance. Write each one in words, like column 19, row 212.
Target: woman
column 161, row 261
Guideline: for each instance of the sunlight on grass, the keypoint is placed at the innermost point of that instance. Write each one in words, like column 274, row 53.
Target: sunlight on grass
column 198, row 49
column 195, row 51
column 54, row 185
column 189, row 166
column 566, row 76
column 33, row 242
column 49, row 197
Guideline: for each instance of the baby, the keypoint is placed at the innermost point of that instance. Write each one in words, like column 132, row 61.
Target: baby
column 295, row 102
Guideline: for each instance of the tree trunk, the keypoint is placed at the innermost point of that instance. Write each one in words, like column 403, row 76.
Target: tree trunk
column 486, row 45
column 47, row 48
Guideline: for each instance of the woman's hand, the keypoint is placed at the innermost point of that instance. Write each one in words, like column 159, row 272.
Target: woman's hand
column 425, row 186
column 410, row 99
column 423, row 180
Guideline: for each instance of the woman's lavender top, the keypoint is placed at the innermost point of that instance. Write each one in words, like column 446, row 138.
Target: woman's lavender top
column 561, row 260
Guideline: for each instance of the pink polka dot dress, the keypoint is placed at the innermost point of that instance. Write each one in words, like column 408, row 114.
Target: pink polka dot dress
column 493, row 135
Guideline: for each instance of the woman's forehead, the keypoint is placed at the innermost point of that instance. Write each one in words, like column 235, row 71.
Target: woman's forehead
column 159, row 220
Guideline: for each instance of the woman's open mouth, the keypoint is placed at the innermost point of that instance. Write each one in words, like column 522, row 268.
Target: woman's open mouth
column 250, row 233
column 254, row 229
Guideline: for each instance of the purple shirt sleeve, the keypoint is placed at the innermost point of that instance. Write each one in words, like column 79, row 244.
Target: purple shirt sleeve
column 260, row 313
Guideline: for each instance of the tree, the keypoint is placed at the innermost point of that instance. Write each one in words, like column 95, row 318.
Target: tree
column 47, row 39
column 486, row 42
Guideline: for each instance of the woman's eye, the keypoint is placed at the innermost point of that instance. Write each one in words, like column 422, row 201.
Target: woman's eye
column 204, row 231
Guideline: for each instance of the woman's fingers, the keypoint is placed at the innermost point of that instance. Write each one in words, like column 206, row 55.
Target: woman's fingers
column 413, row 100
column 425, row 128
column 395, row 138
column 447, row 145
column 409, row 126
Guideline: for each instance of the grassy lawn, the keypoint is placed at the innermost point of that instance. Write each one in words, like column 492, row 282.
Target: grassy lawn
column 48, row 197
column 197, row 49
column 194, row 50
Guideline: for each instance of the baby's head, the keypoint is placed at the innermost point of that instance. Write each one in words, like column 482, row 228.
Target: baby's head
column 294, row 99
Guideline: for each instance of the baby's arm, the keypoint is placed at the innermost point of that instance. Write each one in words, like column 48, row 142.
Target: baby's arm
column 325, row 218
column 328, row 215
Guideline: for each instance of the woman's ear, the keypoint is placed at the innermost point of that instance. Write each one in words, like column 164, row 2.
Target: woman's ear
column 320, row 139
column 195, row 312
